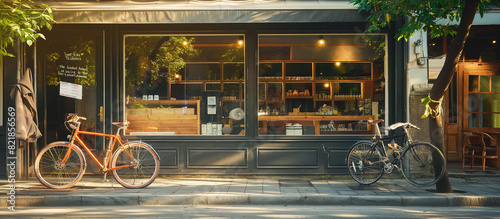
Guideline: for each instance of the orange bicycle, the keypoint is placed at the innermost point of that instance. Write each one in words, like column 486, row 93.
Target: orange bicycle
column 62, row 164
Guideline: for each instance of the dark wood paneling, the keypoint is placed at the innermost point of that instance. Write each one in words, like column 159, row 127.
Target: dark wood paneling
column 169, row 158
column 287, row 158
column 337, row 158
column 217, row 158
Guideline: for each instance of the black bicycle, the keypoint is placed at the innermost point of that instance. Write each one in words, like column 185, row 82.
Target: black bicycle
column 422, row 164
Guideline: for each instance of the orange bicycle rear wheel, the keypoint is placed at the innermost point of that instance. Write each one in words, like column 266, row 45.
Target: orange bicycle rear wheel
column 52, row 173
column 145, row 170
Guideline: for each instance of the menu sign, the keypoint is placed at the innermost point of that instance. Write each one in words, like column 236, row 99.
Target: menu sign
column 71, row 68
column 71, row 90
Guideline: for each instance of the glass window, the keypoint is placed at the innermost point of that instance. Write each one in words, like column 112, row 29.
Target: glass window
column 184, row 85
column 320, row 84
column 484, row 102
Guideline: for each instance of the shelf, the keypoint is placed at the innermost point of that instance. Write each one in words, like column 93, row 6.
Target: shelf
column 346, row 99
column 265, row 79
column 345, row 132
column 298, row 97
column 266, row 121
column 164, row 102
column 298, row 79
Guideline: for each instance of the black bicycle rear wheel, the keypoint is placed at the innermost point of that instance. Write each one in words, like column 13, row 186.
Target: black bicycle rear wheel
column 365, row 163
column 422, row 164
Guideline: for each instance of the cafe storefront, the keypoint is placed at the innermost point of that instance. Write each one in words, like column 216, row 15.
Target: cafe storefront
column 228, row 88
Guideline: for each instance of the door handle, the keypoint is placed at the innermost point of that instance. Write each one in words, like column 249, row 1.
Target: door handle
column 101, row 113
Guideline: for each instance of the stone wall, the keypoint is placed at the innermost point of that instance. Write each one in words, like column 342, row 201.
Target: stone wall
column 417, row 109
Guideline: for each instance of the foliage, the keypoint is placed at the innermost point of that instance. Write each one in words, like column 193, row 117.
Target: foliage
column 428, row 109
column 151, row 59
column 376, row 43
column 22, row 19
column 137, row 106
column 420, row 14
column 233, row 53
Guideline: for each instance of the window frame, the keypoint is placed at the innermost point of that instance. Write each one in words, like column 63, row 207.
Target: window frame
column 220, row 81
column 385, row 72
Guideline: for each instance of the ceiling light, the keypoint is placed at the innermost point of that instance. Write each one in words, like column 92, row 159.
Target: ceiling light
column 321, row 40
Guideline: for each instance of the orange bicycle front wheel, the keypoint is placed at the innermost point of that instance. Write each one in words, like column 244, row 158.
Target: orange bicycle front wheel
column 145, row 170
column 54, row 174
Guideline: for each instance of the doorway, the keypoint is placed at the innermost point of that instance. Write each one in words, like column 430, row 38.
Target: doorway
column 473, row 103
column 72, row 79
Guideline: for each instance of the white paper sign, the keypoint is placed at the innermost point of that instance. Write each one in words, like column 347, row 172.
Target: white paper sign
column 211, row 101
column 70, row 90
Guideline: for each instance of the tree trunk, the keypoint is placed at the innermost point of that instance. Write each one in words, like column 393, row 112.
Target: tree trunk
column 443, row 81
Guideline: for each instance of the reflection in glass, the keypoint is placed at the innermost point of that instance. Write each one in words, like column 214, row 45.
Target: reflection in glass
column 171, row 84
column 495, row 103
column 495, row 100
column 213, row 86
column 270, row 69
column 262, row 91
column 202, row 72
column 485, row 120
column 473, row 120
column 485, row 84
column 274, row 91
column 231, row 91
column 473, row 102
column 343, row 71
column 473, row 83
column 298, row 70
column 495, row 83
column 233, row 71
column 485, row 103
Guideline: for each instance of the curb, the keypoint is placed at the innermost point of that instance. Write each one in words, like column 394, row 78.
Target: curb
column 210, row 199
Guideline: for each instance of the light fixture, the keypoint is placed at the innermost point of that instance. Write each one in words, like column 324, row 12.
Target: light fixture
column 240, row 41
column 418, row 45
column 185, row 43
column 177, row 76
column 494, row 41
column 337, row 63
column 327, row 84
column 321, row 40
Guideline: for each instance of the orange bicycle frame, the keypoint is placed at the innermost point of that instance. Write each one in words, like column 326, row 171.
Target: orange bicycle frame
column 115, row 138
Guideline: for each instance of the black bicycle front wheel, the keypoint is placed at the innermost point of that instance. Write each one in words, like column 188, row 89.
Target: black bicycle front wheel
column 422, row 164
column 365, row 163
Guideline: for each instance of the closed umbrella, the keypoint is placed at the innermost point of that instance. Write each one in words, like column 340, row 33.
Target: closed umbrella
column 26, row 112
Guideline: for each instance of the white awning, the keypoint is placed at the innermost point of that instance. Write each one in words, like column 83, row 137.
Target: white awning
column 204, row 11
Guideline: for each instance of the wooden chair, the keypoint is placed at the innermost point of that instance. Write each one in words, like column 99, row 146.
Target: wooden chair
column 479, row 145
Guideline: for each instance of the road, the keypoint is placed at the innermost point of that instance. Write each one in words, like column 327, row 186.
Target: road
column 251, row 211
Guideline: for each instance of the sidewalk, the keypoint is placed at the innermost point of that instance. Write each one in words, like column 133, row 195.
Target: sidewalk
column 472, row 188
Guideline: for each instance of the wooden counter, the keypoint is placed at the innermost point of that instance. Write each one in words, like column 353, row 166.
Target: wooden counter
column 281, row 121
